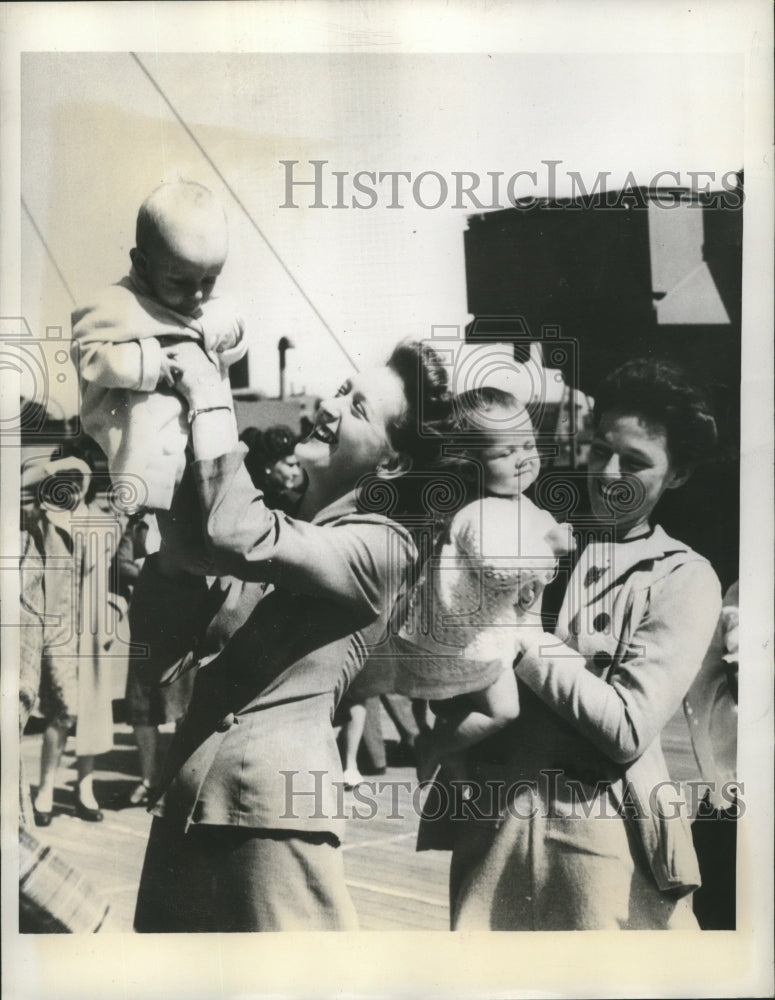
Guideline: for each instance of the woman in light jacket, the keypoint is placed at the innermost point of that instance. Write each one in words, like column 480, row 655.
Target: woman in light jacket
column 247, row 830
column 581, row 827
column 69, row 542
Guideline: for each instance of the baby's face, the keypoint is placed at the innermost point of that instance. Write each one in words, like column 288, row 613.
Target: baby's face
column 183, row 279
column 510, row 461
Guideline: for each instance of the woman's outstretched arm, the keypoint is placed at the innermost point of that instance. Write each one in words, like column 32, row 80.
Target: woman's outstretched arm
column 361, row 563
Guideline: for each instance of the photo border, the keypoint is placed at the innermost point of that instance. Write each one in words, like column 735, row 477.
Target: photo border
column 599, row 964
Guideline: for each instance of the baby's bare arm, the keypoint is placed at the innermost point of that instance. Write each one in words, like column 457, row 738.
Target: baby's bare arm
column 500, row 701
column 561, row 540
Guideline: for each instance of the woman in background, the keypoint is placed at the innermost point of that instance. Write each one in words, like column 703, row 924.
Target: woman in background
column 80, row 617
column 273, row 466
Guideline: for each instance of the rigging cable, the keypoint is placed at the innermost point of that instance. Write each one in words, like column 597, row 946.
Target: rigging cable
column 47, row 248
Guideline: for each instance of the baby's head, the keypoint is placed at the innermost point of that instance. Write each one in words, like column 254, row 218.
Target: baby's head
column 182, row 242
column 497, row 433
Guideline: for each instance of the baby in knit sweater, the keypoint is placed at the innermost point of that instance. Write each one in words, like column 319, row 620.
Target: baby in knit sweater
column 484, row 582
column 122, row 339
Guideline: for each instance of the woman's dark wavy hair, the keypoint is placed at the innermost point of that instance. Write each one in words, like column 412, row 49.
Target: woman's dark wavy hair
column 662, row 394
column 420, row 431
column 435, row 431
column 419, row 497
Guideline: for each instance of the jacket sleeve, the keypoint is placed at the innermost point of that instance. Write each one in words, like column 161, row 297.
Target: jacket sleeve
column 135, row 364
column 359, row 563
column 623, row 713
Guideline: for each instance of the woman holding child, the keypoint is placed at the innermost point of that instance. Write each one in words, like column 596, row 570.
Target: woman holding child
column 586, row 832
column 247, row 829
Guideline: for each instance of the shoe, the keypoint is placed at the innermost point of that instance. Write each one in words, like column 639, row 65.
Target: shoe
column 352, row 779
column 141, row 795
column 85, row 813
column 42, row 818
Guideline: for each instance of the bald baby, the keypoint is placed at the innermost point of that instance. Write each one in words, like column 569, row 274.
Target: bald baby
column 124, row 337
column 182, row 243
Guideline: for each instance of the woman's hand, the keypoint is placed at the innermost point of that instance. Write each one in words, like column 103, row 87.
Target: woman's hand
column 523, row 641
column 207, row 392
column 195, row 376
column 561, row 539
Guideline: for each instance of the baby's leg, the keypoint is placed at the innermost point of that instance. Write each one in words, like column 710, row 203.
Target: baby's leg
column 492, row 708
column 499, row 702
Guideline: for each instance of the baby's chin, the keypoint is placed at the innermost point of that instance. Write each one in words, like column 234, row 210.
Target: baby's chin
column 502, row 494
column 183, row 308
column 512, row 493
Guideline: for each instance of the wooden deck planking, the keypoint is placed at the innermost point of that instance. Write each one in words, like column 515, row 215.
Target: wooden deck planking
column 391, row 869
column 393, row 887
column 376, row 912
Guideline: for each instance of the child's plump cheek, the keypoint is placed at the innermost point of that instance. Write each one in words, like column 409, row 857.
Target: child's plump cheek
column 510, row 476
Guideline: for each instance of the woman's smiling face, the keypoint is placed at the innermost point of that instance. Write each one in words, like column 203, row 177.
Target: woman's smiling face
column 628, row 471
column 350, row 435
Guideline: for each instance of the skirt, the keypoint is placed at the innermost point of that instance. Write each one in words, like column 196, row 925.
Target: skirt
column 224, row 878
column 80, row 688
column 545, row 867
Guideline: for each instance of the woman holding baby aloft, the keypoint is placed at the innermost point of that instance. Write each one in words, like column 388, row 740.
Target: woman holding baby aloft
column 247, row 830
column 588, row 833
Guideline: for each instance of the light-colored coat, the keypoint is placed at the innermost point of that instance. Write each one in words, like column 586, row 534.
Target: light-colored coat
column 71, row 621
column 631, row 635
column 117, row 348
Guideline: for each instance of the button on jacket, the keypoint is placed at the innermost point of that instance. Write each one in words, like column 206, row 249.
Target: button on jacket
column 641, row 615
column 303, row 605
column 594, row 698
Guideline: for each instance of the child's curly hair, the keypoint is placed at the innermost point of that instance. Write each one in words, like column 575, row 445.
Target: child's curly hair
column 472, row 426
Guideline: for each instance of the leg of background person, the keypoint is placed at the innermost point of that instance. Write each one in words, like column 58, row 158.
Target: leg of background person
column 147, row 739
column 422, row 715
column 352, row 733
column 399, row 710
column 54, row 739
column 373, row 742
column 85, row 767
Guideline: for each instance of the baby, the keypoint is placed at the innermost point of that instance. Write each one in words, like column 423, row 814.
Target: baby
column 121, row 339
column 484, row 582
